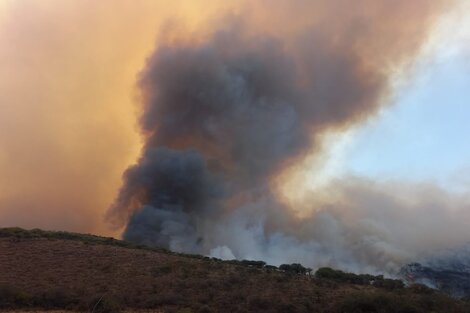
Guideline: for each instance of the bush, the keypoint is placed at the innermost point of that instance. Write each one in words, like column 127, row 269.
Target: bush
column 259, row 264
column 329, row 273
column 295, row 268
column 338, row 275
column 361, row 279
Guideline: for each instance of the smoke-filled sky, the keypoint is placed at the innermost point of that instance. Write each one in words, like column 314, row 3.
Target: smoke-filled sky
column 313, row 131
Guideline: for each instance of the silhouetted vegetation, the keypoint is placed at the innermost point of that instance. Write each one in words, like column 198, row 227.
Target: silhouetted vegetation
column 358, row 279
column 21, row 233
column 259, row 264
column 248, row 263
column 295, row 268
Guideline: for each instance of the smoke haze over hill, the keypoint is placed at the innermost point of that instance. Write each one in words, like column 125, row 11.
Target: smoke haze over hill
column 214, row 106
column 228, row 114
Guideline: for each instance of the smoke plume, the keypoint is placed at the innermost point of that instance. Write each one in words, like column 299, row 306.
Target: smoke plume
column 227, row 113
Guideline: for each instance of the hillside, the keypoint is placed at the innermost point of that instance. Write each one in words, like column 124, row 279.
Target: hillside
column 59, row 270
column 452, row 280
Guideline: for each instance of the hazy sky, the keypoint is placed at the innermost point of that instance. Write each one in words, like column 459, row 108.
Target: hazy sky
column 425, row 134
column 68, row 107
column 422, row 136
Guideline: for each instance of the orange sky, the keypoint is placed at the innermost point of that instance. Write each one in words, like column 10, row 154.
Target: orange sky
column 67, row 114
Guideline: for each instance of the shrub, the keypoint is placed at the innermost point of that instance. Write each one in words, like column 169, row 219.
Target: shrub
column 361, row 279
column 258, row 264
column 329, row 273
column 294, row 268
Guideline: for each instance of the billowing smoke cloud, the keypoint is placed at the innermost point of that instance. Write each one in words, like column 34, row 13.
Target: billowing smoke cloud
column 224, row 115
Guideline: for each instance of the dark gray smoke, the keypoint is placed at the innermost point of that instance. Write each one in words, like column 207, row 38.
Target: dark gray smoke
column 224, row 115
column 241, row 109
column 171, row 184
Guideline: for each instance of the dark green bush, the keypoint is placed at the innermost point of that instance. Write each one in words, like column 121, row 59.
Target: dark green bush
column 294, row 268
column 359, row 279
column 271, row 267
column 259, row 264
column 329, row 273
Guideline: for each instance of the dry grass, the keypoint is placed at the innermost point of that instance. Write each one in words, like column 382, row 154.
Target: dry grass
column 70, row 311
column 74, row 274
